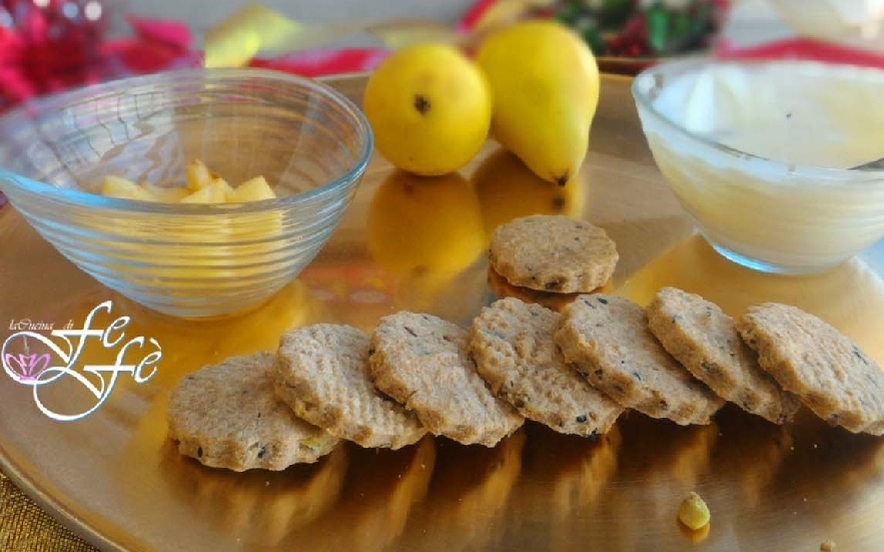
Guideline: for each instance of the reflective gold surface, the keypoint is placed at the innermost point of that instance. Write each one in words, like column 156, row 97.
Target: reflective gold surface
column 114, row 477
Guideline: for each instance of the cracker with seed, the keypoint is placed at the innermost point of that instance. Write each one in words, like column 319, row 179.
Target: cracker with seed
column 608, row 340
column 699, row 335
column 227, row 416
column 831, row 375
column 553, row 253
column 512, row 344
column 422, row 361
column 322, row 374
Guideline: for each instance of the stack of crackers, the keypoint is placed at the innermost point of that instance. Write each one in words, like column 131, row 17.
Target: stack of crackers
column 550, row 260
column 575, row 370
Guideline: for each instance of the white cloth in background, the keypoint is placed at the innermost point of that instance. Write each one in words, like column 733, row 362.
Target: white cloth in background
column 855, row 22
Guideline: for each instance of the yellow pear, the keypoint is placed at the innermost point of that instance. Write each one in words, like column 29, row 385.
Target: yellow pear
column 545, row 89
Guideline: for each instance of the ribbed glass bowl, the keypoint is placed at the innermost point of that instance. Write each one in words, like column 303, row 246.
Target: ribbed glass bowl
column 187, row 260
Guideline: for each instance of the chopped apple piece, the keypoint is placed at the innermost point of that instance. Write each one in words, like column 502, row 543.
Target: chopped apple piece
column 168, row 195
column 254, row 189
column 214, row 192
column 203, row 186
column 198, row 175
column 115, row 186
column 206, row 238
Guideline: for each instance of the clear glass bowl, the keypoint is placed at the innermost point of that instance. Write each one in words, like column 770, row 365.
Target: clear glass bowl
column 187, row 260
column 759, row 154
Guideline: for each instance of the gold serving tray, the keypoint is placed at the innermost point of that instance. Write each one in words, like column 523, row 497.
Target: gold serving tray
column 116, row 480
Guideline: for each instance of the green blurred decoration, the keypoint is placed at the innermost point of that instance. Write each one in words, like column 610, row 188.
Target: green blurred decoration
column 636, row 28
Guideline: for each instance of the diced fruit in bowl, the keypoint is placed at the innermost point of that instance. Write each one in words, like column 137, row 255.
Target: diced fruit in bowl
column 172, row 194
column 114, row 186
column 254, row 189
column 199, row 176
column 203, row 186
column 215, row 192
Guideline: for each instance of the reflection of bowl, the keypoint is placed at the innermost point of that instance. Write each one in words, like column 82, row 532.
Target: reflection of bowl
column 187, row 260
column 849, row 297
column 758, row 153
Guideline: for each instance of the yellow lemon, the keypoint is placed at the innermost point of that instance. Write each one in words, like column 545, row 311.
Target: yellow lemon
column 429, row 108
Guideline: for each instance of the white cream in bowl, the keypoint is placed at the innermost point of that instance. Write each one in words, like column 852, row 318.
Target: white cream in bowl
column 759, row 154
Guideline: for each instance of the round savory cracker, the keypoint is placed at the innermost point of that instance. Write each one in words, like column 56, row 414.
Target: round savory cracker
column 227, row 416
column 549, row 299
column 608, row 340
column 422, row 361
column 322, row 374
column 831, row 375
column 699, row 335
column 512, row 344
column 553, row 253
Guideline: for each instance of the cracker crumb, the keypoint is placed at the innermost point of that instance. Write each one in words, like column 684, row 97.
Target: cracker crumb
column 827, row 545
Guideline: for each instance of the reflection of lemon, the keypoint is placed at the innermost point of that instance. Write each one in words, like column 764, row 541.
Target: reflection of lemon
column 507, row 190
column 425, row 227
